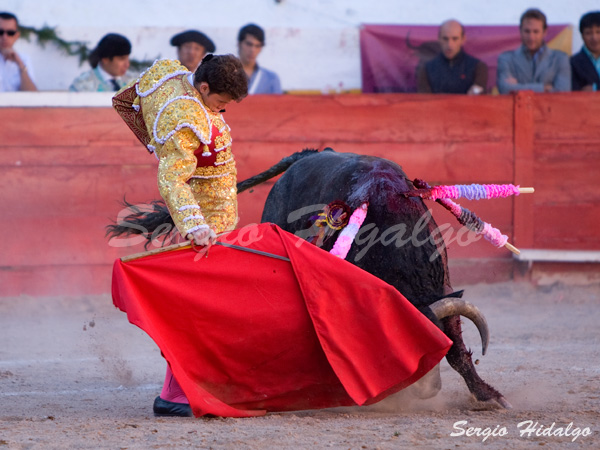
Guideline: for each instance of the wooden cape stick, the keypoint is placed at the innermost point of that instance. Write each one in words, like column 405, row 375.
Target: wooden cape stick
column 168, row 248
column 188, row 244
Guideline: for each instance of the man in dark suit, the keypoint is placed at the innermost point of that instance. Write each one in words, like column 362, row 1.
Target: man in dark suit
column 585, row 65
column 452, row 71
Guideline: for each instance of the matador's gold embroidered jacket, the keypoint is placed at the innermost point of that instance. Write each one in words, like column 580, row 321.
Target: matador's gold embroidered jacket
column 196, row 169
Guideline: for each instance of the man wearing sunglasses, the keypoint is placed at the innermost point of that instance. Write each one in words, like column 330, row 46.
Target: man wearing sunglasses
column 15, row 72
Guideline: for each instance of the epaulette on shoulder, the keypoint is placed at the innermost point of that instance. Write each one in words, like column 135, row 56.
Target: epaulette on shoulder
column 161, row 71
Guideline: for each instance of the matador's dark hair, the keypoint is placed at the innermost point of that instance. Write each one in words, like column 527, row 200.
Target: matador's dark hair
column 224, row 75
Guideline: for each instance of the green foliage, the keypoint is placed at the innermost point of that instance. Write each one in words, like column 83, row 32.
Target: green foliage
column 47, row 35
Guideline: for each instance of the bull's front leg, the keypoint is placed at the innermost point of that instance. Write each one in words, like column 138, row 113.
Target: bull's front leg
column 460, row 360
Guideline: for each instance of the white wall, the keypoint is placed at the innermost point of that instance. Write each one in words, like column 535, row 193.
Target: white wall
column 312, row 44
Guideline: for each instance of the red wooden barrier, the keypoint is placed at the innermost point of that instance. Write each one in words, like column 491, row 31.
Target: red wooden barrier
column 66, row 169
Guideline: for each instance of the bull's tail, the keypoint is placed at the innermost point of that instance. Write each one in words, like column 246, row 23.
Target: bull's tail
column 154, row 220
column 150, row 220
column 278, row 168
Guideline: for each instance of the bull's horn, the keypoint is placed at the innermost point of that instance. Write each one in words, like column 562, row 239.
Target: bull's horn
column 447, row 307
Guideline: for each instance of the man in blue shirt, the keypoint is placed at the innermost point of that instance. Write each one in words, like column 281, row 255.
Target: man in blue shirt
column 15, row 68
column 533, row 66
column 251, row 40
column 585, row 65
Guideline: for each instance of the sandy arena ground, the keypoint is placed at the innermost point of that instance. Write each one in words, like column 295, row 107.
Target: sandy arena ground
column 75, row 374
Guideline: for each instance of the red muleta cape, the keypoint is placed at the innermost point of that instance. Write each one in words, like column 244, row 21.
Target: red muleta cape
column 245, row 333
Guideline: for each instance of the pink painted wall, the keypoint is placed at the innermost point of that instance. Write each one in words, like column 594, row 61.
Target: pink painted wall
column 66, row 169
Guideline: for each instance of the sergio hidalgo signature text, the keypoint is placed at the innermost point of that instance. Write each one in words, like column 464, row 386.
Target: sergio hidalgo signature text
column 527, row 428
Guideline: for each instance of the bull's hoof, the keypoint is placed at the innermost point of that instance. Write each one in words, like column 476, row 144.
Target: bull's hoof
column 503, row 402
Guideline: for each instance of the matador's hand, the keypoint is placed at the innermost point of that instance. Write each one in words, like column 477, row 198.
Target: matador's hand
column 203, row 237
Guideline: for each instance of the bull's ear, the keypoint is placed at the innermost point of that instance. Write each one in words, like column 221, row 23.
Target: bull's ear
column 456, row 294
column 328, row 149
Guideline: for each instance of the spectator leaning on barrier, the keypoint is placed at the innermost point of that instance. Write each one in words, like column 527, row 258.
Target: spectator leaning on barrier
column 533, row 66
column 16, row 73
column 452, row 71
column 192, row 46
column 251, row 40
column 585, row 65
column 109, row 61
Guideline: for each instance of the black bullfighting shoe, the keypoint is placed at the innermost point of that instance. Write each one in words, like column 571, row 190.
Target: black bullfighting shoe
column 163, row 408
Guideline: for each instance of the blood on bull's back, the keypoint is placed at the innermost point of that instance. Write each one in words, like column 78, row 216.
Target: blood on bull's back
column 397, row 241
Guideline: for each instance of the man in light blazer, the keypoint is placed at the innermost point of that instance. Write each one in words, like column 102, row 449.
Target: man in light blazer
column 533, row 66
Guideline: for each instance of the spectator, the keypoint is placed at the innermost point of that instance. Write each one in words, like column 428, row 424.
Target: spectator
column 16, row 73
column 109, row 61
column 533, row 65
column 585, row 65
column 251, row 40
column 192, row 46
column 452, row 71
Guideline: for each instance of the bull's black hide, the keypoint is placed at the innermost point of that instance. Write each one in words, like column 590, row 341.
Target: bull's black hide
column 398, row 241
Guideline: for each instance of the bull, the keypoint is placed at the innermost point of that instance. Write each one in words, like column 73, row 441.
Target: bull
column 396, row 243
